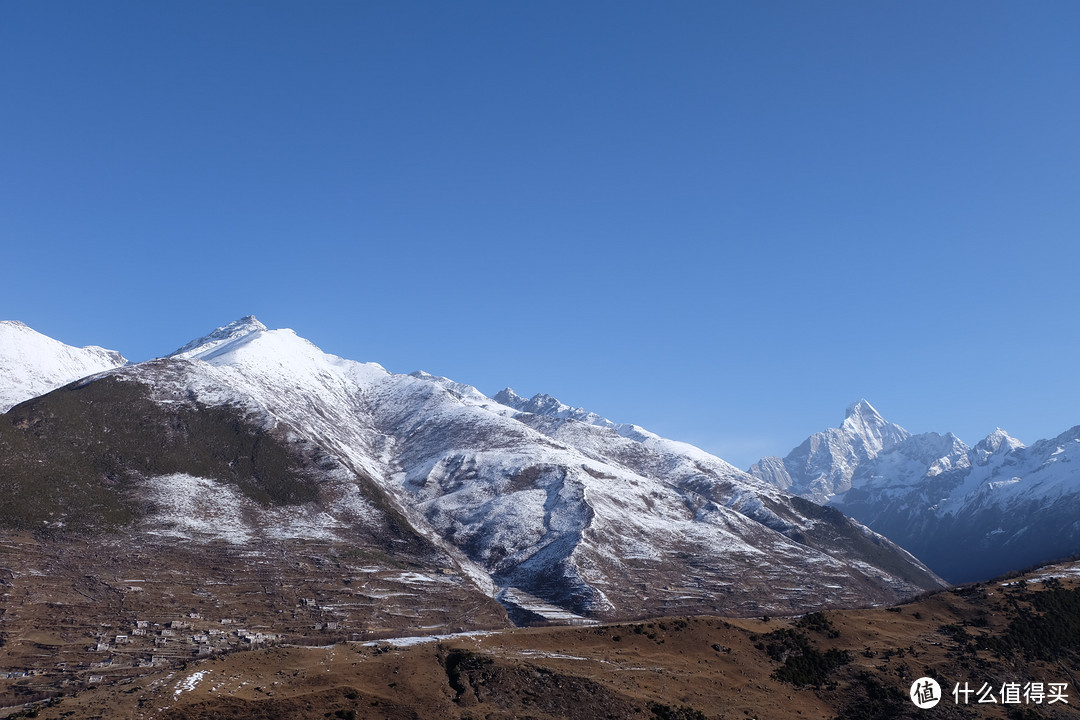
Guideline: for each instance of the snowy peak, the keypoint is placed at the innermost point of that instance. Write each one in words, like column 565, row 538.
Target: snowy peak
column 862, row 409
column 863, row 421
column 968, row 512
column 997, row 442
column 224, row 336
column 973, row 513
column 248, row 345
column 824, row 464
column 17, row 339
column 32, row 364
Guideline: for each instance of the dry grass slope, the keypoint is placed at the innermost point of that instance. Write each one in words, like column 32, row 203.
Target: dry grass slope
column 855, row 664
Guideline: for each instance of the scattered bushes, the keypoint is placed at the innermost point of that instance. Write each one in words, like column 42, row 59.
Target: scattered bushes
column 803, row 664
column 875, row 700
column 817, row 622
column 1047, row 631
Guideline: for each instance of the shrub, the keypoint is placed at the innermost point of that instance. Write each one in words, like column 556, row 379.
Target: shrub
column 803, row 664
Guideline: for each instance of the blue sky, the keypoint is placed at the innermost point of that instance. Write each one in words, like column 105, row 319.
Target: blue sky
column 724, row 221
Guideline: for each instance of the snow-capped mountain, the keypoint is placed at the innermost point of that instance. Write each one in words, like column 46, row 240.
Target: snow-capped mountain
column 253, row 435
column 968, row 512
column 32, row 364
column 826, row 461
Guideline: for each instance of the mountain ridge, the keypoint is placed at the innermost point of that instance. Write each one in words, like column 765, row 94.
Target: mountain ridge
column 592, row 518
column 970, row 512
column 823, row 465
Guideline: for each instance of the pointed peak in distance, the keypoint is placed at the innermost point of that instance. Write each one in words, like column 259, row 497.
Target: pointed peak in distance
column 864, row 420
column 862, row 409
column 997, row 440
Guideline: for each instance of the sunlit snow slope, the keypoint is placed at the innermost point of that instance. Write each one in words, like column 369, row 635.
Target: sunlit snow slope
column 32, row 364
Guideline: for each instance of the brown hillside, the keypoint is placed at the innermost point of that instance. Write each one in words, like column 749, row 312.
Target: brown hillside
column 847, row 664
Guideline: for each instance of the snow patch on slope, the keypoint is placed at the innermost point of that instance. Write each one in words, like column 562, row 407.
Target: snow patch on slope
column 195, row 508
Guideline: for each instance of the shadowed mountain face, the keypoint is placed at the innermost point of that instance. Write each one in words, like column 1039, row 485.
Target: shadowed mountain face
column 254, row 443
column 969, row 512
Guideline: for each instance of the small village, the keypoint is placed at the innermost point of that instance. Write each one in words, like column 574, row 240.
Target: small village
column 127, row 609
column 153, row 643
column 116, row 650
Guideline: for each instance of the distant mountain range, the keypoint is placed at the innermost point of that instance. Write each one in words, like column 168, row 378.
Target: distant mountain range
column 968, row 512
column 254, row 443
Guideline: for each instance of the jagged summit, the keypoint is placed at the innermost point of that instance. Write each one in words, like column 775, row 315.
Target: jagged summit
column 250, row 321
column 546, row 405
column 867, row 425
column 997, row 440
column 540, row 403
column 825, row 462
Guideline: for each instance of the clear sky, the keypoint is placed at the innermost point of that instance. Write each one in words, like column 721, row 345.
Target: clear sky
column 724, row 221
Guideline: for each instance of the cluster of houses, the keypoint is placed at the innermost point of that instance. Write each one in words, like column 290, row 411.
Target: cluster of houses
column 150, row 643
